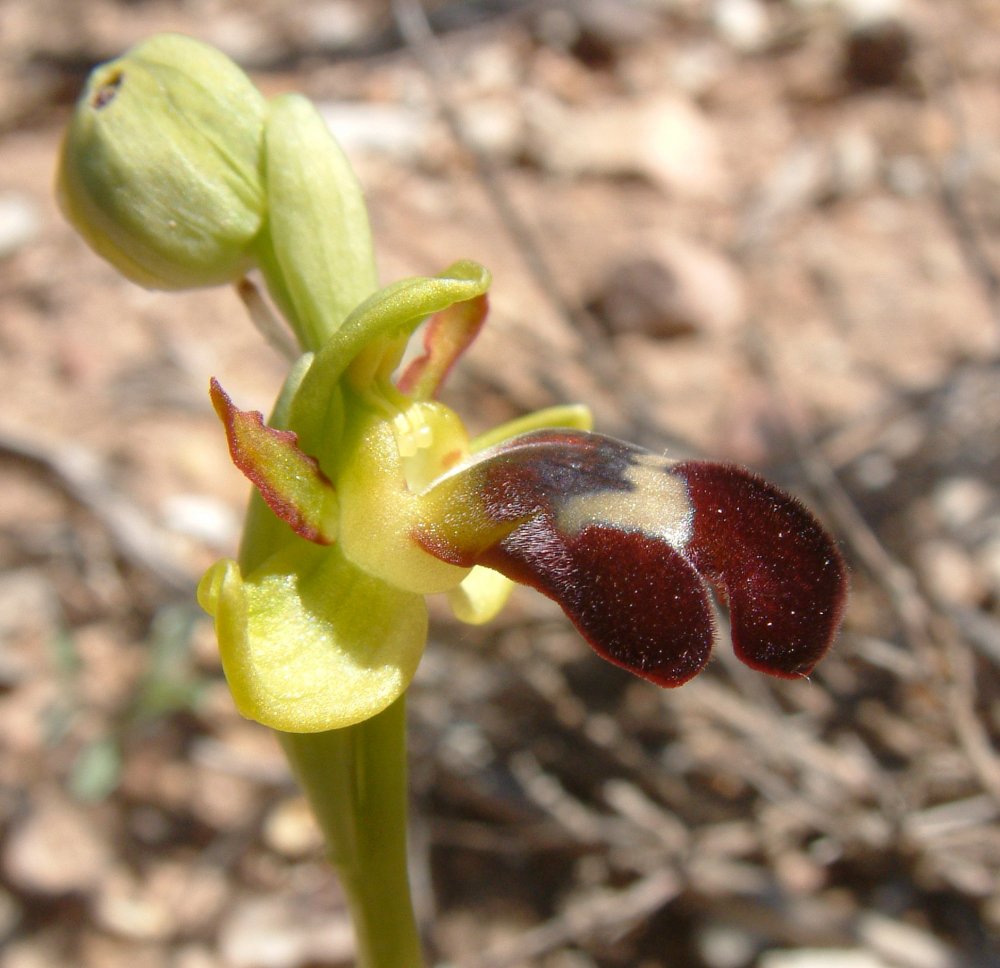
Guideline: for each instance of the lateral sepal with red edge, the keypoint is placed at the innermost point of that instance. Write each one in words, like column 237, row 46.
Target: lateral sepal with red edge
column 290, row 481
column 627, row 542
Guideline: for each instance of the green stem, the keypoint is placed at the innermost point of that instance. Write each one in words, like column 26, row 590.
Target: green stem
column 277, row 287
column 355, row 781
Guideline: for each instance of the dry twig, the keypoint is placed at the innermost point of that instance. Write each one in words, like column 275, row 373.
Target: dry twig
column 81, row 476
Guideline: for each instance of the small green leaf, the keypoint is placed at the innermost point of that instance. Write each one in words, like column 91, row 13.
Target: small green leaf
column 96, row 770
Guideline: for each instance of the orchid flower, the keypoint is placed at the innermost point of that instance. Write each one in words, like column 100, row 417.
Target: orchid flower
column 177, row 169
column 387, row 499
column 370, row 493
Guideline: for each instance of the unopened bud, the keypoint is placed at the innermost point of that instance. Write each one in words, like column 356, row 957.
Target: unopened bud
column 161, row 168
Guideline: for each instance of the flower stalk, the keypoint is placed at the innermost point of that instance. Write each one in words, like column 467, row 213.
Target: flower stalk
column 355, row 782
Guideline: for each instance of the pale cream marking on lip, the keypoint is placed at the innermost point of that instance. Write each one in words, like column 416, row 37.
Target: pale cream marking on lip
column 657, row 505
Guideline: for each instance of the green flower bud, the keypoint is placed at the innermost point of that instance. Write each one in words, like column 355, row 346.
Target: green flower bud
column 161, row 168
column 319, row 233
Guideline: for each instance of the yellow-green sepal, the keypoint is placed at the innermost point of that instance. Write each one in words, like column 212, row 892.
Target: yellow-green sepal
column 372, row 338
column 309, row 642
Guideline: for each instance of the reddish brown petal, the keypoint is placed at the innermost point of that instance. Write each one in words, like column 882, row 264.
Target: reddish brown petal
column 624, row 541
column 633, row 598
column 596, row 525
column 780, row 571
column 447, row 336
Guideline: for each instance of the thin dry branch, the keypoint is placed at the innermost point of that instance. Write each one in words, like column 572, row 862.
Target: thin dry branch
column 929, row 631
column 600, row 913
column 81, row 476
column 952, row 184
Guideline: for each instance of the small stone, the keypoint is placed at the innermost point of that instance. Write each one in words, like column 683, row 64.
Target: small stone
column 195, row 956
column 900, row 943
column 877, row 53
column 283, row 932
column 332, row 24
column 397, row 131
column 724, row 946
column 19, row 222
column 682, row 289
column 54, row 850
column 169, row 898
column 222, row 801
column 291, row 830
column 854, row 163
column 821, row 958
column 859, row 13
column 875, row 471
column 245, row 37
column 949, row 573
column 641, row 297
column 697, row 68
column 960, row 502
column 125, row 907
column 665, row 139
column 798, row 873
column 743, row 24
column 195, row 893
column 679, row 149
column 494, row 128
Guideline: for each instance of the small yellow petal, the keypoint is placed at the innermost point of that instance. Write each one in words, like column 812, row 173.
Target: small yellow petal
column 481, row 596
column 574, row 416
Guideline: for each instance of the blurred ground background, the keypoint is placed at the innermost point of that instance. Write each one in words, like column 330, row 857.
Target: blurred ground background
column 765, row 230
